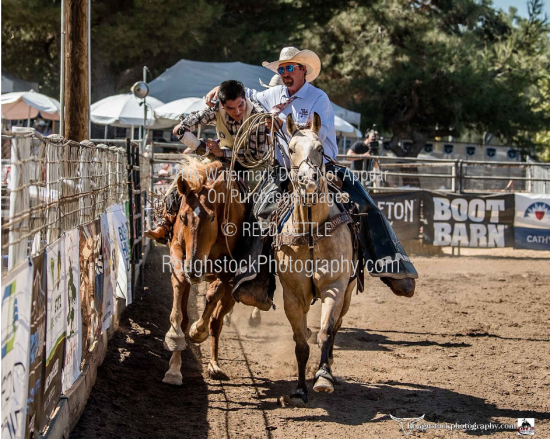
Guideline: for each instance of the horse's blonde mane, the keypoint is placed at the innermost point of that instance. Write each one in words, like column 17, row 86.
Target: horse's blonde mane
column 196, row 172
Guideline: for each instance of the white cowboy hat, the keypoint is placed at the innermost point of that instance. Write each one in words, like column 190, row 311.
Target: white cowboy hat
column 304, row 57
column 274, row 82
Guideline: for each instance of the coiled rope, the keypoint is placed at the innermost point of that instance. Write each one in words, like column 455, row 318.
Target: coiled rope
column 250, row 160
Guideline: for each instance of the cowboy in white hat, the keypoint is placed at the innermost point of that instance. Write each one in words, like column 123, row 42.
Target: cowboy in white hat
column 297, row 68
column 296, row 96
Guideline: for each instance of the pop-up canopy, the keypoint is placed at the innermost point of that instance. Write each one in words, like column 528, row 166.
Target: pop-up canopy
column 187, row 79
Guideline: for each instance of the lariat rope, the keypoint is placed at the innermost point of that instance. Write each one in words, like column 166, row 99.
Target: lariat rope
column 250, row 160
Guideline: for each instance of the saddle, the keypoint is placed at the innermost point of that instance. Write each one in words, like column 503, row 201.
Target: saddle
column 346, row 216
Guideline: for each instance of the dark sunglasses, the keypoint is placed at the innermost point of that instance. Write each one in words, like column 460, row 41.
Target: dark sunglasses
column 289, row 68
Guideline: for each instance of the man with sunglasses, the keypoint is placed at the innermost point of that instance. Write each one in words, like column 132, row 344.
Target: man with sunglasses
column 301, row 99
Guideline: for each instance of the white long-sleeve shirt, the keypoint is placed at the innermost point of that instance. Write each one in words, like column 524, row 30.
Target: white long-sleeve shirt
column 308, row 100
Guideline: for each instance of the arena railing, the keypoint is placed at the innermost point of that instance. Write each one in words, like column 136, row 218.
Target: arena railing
column 410, row 173
column 453, row 175
column 51, row 185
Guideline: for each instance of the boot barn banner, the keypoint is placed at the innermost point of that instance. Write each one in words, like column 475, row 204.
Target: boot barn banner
column 403, row 212
column 532, row 221
column 477, row 221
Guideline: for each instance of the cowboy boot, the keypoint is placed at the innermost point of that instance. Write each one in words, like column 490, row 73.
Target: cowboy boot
column 163, row 232
column 379, row 243
column 254, row 285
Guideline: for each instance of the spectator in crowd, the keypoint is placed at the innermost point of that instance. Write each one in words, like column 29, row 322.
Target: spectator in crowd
column 360, row 150
column 43, row 128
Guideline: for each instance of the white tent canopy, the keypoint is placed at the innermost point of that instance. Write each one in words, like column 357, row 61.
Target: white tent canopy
column 27, row 104
column 11, row 83
column 347, row 115
column 187, row 79
column 125, row 111
column 342, row 126
column 174, row 109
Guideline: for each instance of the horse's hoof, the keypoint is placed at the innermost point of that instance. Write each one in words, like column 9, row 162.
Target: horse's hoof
column 298, row 399
column 254, row 322
column 195, row 336
column 227, row 320
column 216, row 373
column 174, row 341
column 323, row 385
column 174, row 379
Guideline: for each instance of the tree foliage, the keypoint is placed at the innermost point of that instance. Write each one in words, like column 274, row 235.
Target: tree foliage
column 422, row 69
column 418, row 68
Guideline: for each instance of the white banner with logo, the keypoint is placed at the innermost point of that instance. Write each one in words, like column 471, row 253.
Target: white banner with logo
column 119, row 227
column 73, row 346
column 56, row 323
column 109, row 271
column 16, row 322
column 532, row 221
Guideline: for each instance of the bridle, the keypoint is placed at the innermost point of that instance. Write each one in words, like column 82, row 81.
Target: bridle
column 308, row 199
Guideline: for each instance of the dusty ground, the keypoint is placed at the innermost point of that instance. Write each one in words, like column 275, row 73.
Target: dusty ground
column 472, row 346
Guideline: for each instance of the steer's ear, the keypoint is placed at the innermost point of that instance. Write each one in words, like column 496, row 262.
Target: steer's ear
column 290, row 126
column 316, row 125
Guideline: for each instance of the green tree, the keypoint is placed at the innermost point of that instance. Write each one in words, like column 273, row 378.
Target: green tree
column 422, row 69
column 128, row 34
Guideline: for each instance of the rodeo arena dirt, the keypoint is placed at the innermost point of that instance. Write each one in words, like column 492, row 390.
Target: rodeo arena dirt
column 88, row 311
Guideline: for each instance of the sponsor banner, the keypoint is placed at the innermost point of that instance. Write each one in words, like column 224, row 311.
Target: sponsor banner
column 108, row 270
column 36, row 420
column 16, row 321
column 56, row 323
column 534, row 239
column 73, row 344
column 119, row 229
column 468, row 220
column 97, row 297
column 87, row 282
column 532, row 221
column 402, row 211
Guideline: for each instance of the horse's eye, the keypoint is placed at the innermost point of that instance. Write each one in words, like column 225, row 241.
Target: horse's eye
column 212, row 218
column 291, row 150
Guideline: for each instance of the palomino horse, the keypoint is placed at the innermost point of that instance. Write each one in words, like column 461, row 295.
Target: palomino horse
column 197, row 244
column 333, row 287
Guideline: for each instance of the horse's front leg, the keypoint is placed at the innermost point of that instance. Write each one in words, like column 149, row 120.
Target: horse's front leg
column 173, row 376
column 297, row 316
column 199, row 330
column 255, row 318
column 225, row 305
column 338, row 325
column 333, row 304
column 175, row 337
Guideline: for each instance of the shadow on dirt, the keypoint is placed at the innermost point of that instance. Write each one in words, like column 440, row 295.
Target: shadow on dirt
column 355, row 403
column 129, row 399
column 363, row 339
